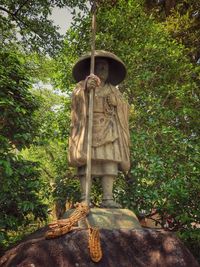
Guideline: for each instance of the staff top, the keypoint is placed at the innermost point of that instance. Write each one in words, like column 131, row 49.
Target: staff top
column 117, row 69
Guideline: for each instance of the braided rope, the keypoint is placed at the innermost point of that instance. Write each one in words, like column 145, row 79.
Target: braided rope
column 95, row 244
column 64, row 226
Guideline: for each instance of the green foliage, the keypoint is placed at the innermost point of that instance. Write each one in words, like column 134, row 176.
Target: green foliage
column 31, row 21
column 163, row 97
column 191, row 238
column 50, row 147
column 21, row 201
column 67, row 189
column 182, row 20
column 17, row 104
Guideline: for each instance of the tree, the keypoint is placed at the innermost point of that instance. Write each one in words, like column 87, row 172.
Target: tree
column 182, row 20
column 30, row 20
column 25, row 26
column 20, row 183
column 50, row 147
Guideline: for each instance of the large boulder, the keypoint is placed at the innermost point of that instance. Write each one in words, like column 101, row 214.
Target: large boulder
column 123, row 248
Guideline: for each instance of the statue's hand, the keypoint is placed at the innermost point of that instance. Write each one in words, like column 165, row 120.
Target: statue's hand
column 92, row 81
column 112, row 100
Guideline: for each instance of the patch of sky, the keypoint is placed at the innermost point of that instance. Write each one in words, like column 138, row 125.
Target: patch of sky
column 40, row 85
column 57, row 107
column 62, row 17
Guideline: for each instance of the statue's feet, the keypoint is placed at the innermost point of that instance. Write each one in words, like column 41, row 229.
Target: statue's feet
column 110, row 203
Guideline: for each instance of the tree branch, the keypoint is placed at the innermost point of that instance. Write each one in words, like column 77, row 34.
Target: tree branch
column 15, row 13
column 17, row 19
column 6, row 10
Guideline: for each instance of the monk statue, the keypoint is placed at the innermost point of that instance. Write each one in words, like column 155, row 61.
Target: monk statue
column 110, row 132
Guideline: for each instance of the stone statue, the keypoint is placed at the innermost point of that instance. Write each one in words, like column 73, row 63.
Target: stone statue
column 110, row 132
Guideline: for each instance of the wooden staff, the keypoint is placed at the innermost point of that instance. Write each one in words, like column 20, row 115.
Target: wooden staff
column 90, row 115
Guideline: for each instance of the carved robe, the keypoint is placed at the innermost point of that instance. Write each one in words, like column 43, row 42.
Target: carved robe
column 110, row 133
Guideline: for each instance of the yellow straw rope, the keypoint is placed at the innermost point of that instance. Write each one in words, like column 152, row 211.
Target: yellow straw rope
column 62, row 227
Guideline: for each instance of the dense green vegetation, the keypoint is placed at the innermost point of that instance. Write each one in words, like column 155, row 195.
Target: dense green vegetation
column 162, row 88
column 181, row 19
column 31, row 21
column 20, row 201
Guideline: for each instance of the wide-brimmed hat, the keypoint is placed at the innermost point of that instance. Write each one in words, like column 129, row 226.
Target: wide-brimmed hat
column 117, row 69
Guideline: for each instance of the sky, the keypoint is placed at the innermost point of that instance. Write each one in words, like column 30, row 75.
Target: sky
column 62, row 18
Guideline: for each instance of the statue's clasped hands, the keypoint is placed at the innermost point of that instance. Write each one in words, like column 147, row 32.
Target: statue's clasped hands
column 92, row 81
column 111, row 99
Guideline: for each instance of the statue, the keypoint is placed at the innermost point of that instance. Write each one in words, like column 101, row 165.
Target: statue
column 110, row 132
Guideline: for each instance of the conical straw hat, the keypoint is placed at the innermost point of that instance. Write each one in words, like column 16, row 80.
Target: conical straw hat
column 117, row 69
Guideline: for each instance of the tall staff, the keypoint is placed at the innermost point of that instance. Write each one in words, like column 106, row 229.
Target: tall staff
column 91, row 100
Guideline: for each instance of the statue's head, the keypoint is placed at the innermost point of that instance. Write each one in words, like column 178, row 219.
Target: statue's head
column 108, row 67
column 102, row 69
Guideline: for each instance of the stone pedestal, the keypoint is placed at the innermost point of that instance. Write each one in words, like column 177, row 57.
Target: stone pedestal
column 111, row 219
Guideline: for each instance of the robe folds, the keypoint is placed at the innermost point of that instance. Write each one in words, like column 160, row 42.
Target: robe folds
column 110, row 132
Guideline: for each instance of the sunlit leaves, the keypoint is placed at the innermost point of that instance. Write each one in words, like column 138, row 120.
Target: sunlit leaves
column 21, row 201
column 30, row 22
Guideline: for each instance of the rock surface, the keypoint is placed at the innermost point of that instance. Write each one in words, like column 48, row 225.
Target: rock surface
column 123, row 248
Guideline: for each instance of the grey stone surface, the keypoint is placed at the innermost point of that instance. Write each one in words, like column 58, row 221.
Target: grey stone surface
column 111, row 219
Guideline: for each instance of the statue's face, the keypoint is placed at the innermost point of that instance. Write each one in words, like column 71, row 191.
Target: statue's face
column 101, row 69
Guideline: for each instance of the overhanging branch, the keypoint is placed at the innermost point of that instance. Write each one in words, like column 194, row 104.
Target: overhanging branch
column 25, row 2
column 6, row 10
